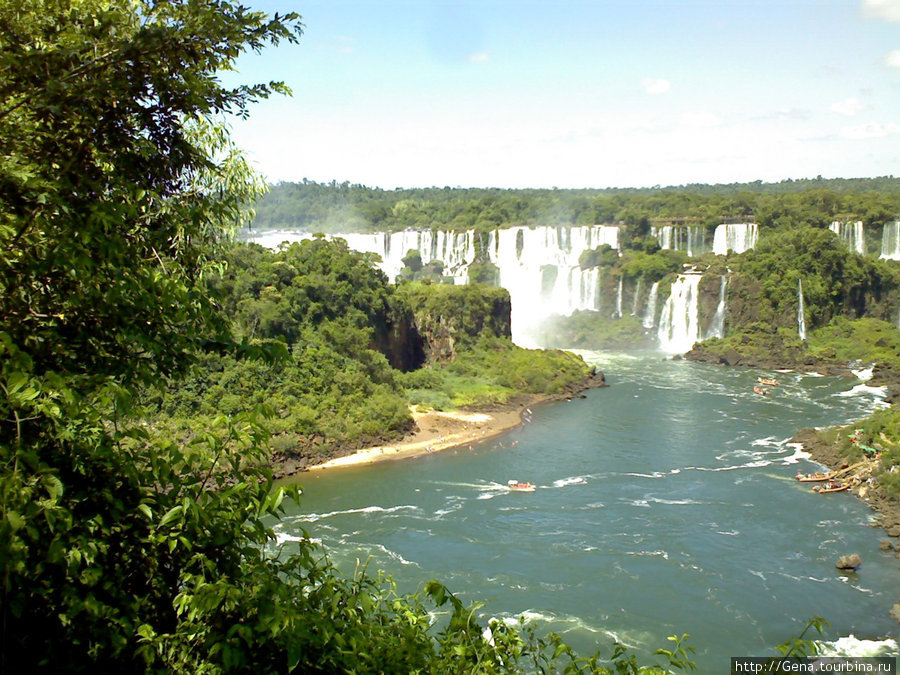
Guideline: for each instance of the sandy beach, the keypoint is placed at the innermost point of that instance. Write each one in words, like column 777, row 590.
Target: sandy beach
column 435, row 431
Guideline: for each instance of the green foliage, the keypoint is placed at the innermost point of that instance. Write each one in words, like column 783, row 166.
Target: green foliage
column 484, row 273
column 493, row 371
column 602, row 256
column 652, row 266
column 835, row 281
column 866, row 340
column 463, row 312
column 339, row 207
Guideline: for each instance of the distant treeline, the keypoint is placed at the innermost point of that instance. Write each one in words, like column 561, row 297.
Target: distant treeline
column 344, row 207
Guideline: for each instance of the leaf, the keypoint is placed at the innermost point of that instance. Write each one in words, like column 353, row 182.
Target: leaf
column 15, row 520
column 170, row 515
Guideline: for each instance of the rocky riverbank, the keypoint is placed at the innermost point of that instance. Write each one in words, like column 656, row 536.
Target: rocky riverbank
column 888, row 508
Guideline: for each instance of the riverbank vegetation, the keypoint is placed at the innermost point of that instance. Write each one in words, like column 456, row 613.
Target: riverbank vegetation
column 356, row 352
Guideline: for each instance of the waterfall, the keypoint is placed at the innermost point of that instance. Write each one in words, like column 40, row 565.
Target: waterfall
column 736, row 237
column 679, row 327
column 538, row 265
column 637, row 297
column 688, row 238
column 717, row 327
column 890, row 241
column 618, row 314
column 650, row 313
column 801, row 317
column 523, row 254
column 852, row 234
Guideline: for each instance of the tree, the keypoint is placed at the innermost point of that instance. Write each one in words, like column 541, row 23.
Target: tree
column 117, row 182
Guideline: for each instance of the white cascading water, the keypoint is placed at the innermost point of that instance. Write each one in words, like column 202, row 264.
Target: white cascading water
column 852, row 234
column 890, row 241
column 735, row 237
column 524, row 257
column 539, row 267
column 650, row 312
column 637, row 296
column 679, row 325
column 801, row 312
column 717, row 326
column 688, row 238
column 618, row 314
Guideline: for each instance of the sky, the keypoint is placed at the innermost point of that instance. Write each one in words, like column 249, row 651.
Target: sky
column 574, row 94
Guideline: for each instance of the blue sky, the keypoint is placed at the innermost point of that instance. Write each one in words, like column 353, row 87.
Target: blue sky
column 610, row 93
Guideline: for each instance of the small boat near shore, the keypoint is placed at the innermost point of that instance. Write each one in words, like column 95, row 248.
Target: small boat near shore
column 517, row 486
column 815, row 477
column 831, row 487
column 771, row 382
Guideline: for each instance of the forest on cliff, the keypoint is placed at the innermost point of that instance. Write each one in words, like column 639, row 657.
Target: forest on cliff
column 345, row 207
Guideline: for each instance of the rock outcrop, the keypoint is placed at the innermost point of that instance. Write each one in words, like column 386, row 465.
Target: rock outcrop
column 848, row 562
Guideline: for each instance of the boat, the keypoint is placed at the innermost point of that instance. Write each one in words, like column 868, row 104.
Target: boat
column 762, row 391
column 769, row 381
column 831, row 487
column 517, row 486
column 815, row 477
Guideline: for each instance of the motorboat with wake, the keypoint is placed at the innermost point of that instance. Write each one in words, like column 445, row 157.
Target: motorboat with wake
column 517, row 486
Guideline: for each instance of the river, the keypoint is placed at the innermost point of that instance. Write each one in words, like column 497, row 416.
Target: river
column 665, row 504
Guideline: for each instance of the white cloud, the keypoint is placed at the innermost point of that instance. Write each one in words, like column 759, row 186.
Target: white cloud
column 849, row 107
column 478, row 57
column 892, row 59
column 888, row 10
column 655, row 85
column 870, row 130
column 700, row 120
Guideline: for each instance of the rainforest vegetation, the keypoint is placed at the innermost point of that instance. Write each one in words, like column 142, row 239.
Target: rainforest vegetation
column 345, row 207
column 357, row 351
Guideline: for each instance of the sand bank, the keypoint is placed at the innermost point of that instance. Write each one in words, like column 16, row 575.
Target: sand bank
column 435, row 431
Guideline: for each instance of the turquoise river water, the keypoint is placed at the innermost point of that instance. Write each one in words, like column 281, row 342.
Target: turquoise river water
column 665, row 504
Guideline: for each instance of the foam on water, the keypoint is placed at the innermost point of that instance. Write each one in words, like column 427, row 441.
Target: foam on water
column 574, row 480
column 864, row 390
column 864, row 374
column 853, row 646
column 314, row 517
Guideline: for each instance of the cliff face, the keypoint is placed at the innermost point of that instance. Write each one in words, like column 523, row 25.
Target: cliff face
column 446, row 317
column 400, row 341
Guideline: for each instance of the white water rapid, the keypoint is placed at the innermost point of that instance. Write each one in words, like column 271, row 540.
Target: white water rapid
column 852, row 234
column 679, row 325
column 736, row 237
column 890, row 241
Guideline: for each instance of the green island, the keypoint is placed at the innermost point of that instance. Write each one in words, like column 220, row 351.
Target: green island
column 155, row 375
